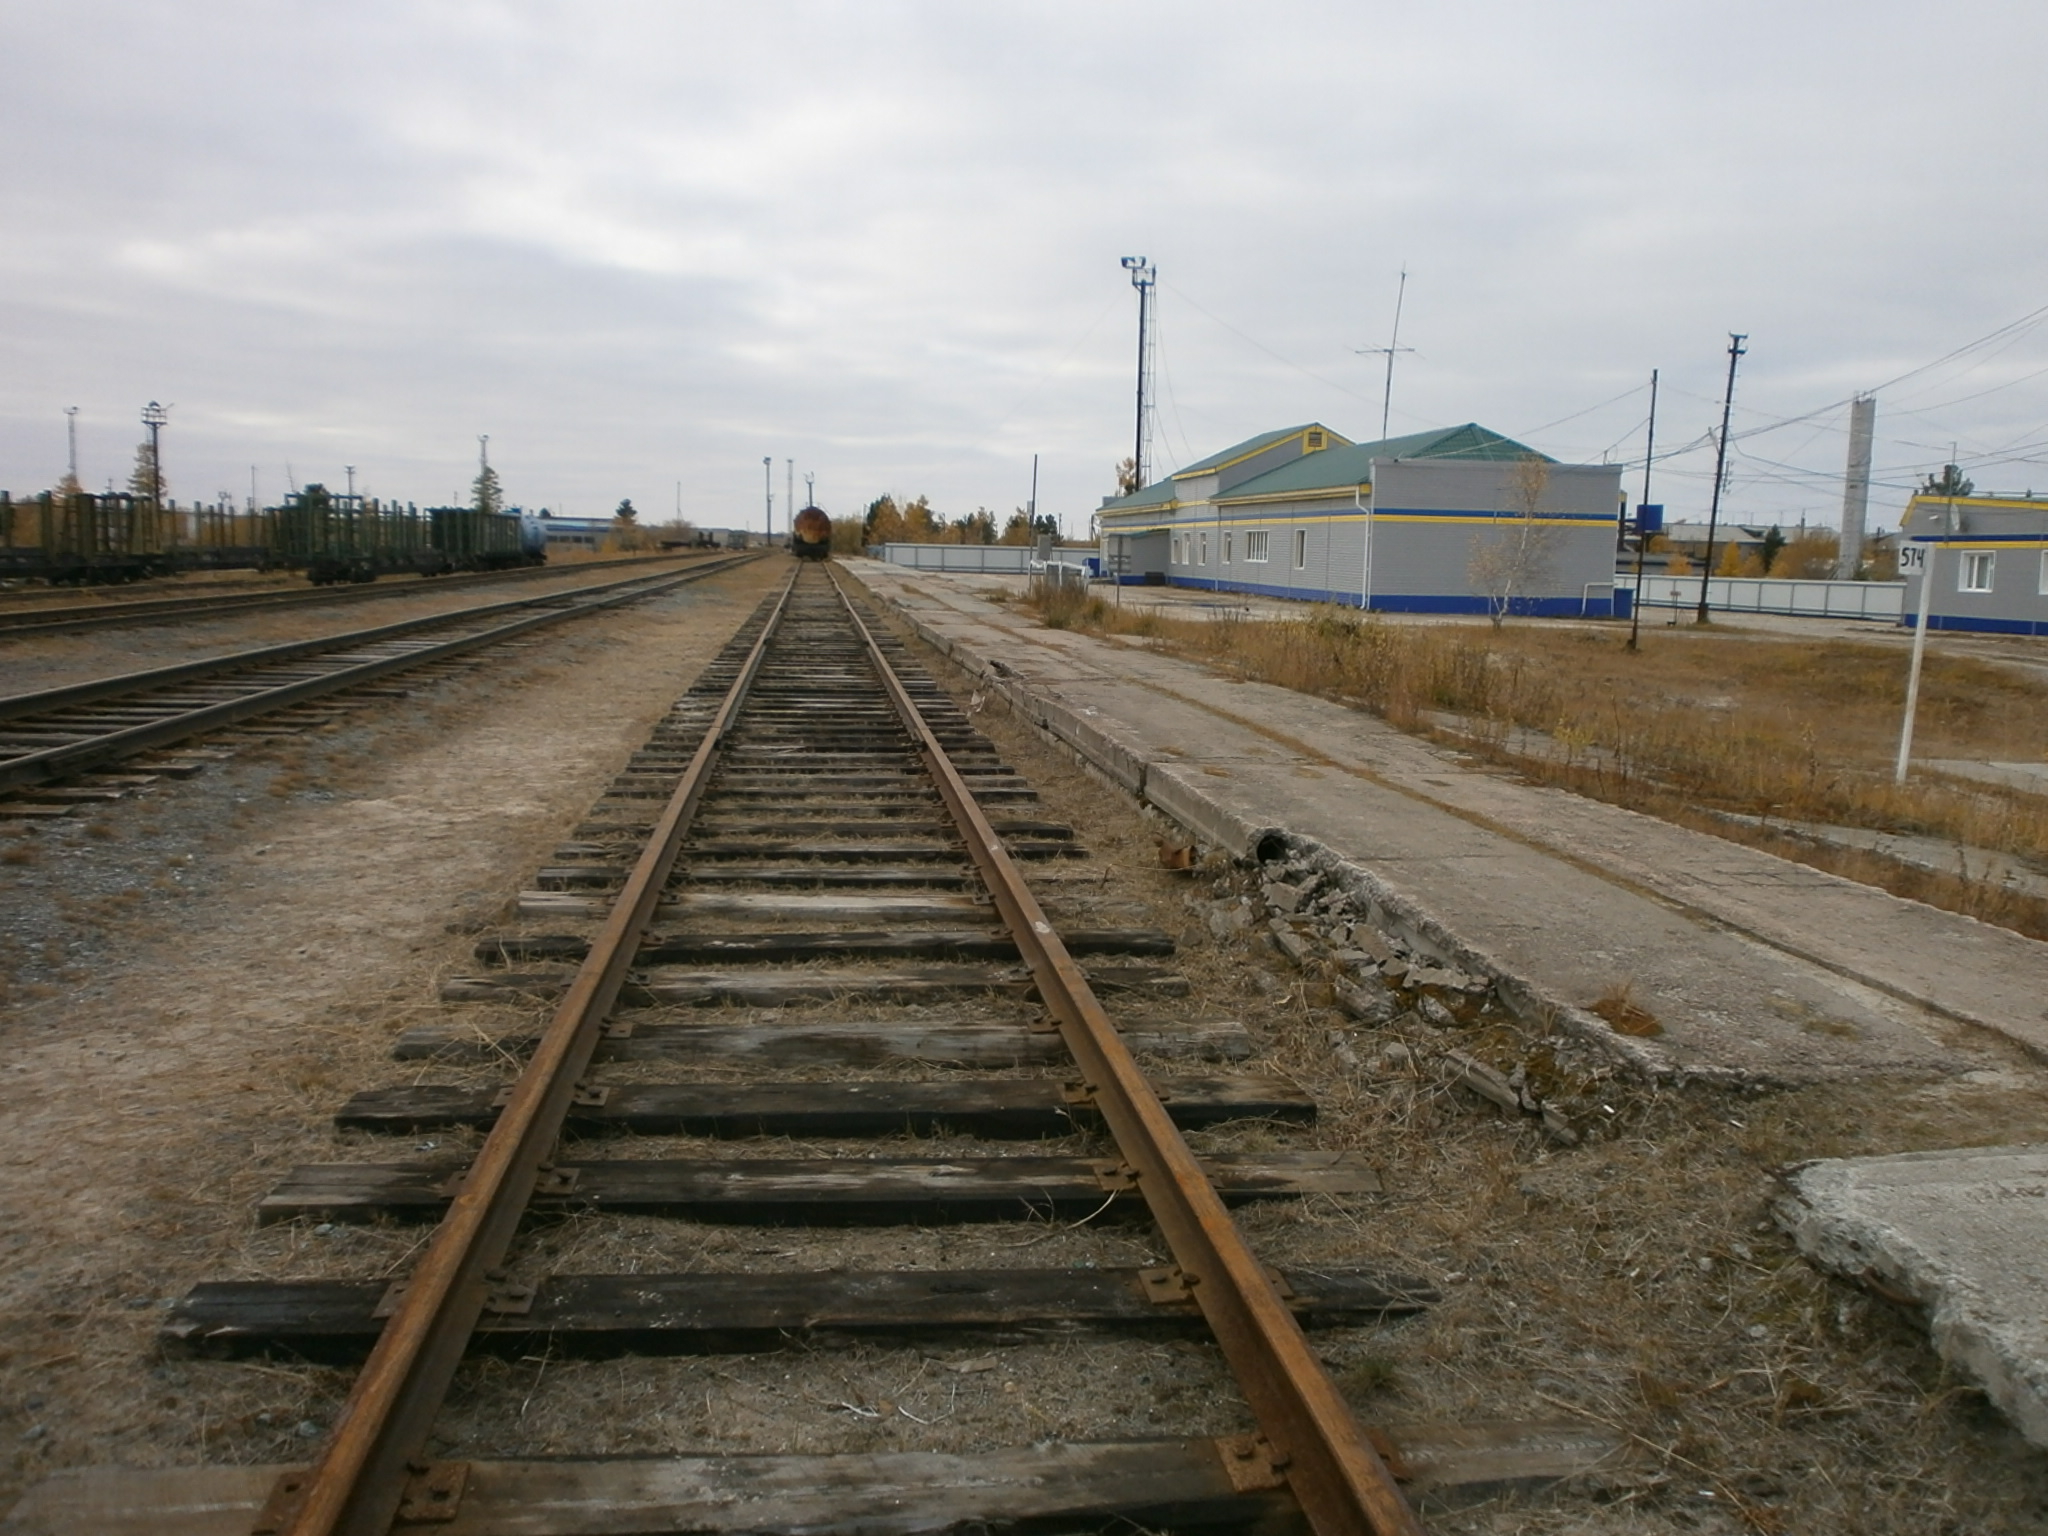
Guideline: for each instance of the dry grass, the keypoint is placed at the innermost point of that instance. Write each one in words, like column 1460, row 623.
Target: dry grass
column 1692, row 724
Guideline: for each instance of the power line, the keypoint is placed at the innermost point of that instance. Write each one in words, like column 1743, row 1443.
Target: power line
column 1276, row 356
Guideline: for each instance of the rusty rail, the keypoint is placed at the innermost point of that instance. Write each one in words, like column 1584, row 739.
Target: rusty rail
column 360, row 1478
column 1309, row 1434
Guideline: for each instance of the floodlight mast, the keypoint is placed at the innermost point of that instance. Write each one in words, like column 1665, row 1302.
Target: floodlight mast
column 153, row 417
column 1143, row 276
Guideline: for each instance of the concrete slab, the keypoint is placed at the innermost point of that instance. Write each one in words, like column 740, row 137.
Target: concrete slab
column 1965, row 1234
column 1935, row 853
column 2029, row 777
column 1755, row 967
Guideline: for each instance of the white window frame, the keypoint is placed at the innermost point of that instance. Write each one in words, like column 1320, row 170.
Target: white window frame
column 1977, row 570
column 1176, row 551
column 1202, row 548
column 1230, row 539
column 2044, row 573
column 1258, row 545
column 1301, row 549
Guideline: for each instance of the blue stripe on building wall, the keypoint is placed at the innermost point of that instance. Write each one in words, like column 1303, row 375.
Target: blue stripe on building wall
column 1975, row 625
column 1616, row 607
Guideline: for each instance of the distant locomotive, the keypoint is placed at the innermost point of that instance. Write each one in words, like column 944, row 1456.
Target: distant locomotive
column 810, row 535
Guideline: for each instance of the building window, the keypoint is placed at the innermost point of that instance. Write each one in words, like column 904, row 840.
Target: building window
column 1230, row 538
column 1976, row 571
column 1176, row 551
column 1301, row 549
column 1315, row 442
column 1202, row 548
column 2044, row 573
column 1258, row 545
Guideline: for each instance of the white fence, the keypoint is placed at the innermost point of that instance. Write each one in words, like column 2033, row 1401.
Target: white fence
column 983, row 559
column 1881, row 601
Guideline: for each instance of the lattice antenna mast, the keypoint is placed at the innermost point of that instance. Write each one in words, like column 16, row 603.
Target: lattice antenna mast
column 1143, row 276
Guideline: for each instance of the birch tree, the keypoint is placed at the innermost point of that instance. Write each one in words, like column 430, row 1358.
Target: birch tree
column 1514, row 558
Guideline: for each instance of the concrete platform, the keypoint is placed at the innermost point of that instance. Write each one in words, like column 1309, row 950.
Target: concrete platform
column 1755, row 968
column 1964, row 1234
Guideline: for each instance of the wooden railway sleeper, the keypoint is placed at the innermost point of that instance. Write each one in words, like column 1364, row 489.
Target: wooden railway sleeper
column 1343, row 1485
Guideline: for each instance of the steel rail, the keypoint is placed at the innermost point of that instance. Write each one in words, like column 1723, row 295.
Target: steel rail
column 358, row 1480
column 78, row 756
column 114, row 613
column 15, row 705
column 1313, row 1439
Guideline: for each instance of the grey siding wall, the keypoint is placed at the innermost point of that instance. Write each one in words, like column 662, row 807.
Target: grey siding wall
column 2012, row 536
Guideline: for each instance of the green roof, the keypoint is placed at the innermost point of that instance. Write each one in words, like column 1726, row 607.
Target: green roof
column 1335, row 467
column 1158, row 494
column 1249, row 445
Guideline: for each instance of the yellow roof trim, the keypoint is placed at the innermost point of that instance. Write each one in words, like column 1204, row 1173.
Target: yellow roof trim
column 1323, row 493
column 1330, row 439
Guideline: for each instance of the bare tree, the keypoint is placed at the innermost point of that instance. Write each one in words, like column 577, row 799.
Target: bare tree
column 1514, row 557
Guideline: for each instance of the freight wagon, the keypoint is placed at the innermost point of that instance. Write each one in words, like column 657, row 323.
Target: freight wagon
column 91, row 540
column 336, row 539
column 85, row 540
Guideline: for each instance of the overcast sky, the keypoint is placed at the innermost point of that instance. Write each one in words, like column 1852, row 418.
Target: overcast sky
column 644, row 243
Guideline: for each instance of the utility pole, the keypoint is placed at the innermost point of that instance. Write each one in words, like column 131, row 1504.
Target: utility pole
column 1735, row 352
column 789, row 495
column 810, row 488
column 1856, row 486
column 1143, row 276
column 1391, row 350
column 71, row 434
column 1929, row 554
column 350, row 471
column 1031, row 506
column 1635, row 608
column 768, row 487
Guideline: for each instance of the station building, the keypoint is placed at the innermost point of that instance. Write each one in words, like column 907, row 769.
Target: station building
column 1410, row 524
column 1979, row 562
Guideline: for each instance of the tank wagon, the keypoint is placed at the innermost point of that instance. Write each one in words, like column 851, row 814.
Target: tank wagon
column 810, row 534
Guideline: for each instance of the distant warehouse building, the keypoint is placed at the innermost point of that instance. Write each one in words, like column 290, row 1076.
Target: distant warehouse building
column 1980, row 561
column 1460, row 520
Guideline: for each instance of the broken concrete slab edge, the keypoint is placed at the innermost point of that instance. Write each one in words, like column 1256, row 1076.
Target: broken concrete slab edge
column 1857, row 1253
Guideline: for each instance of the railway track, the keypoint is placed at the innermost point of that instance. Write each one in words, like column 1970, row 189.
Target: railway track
column 799, row 912
column 116, row 612
column 57, row 734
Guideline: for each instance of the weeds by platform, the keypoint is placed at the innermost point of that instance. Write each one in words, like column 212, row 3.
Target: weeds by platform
column 1695, row 725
